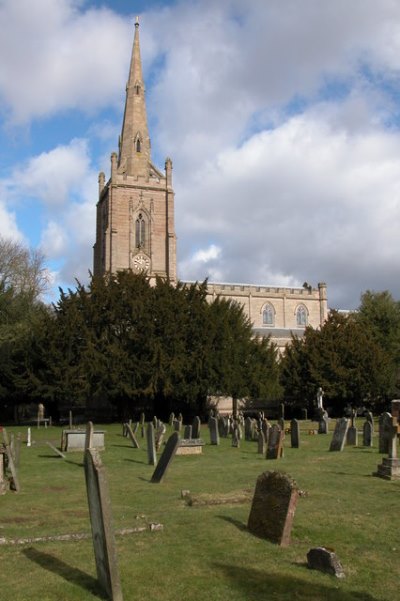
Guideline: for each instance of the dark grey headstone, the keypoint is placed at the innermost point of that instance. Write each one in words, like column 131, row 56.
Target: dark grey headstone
column 176, row 425
column 151, row 445
column 124, row 430
column 166, row 458
column 102, row 528
column 339, row 434
column 385, row 432
column 324, row 560
column 295, row 434
column 272, row 511
column 187, row 432
column 132, row 437
column 214, row 433
column 352, row 436
column 196, row 427
column 281, row 423
column 248, row 428
column 323, row 425
column 367, row 434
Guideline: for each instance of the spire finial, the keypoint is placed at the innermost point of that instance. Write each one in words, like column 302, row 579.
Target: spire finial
column 137, row 21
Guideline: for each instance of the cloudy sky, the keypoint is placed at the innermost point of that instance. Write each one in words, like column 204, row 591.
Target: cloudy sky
column 282, row 119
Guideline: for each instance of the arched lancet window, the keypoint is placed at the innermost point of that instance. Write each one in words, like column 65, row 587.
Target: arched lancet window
column 301, row 316
column 268, row 315
column 138, row 145
column 140, row 231
column 137, row 89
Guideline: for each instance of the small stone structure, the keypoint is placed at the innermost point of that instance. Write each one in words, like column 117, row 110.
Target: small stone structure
column 190, row 446
column 320, row 558
column 74, row 440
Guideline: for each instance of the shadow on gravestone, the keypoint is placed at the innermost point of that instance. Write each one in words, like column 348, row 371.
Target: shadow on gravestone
column 101, row 523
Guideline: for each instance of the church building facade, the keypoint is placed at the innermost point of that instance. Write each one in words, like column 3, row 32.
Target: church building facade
column 135, row 228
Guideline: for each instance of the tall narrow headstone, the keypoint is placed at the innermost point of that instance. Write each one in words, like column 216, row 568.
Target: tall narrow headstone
column 171, row 418
column 29, row 438
column 101, row 523
column 367, row 434
column 70, row 420
column 14, row 481
column 151, row 445
column 385, row 432
column 196, row 426
column 187, row 434
column 132, row 437
column 295, row 434
column 89, row 436
column 282, row 411
column 214, row 434
column 274, row 504
column 166, row 458
column 248, row 428
column 281, row 423
column 339, row 435
column 390, row 466
column 275, row 443
column 159, row 435
column 3, row 484
column 323, row 424
column 261, row 443
column 236, row 437
column 266, row 427
column 176, row 425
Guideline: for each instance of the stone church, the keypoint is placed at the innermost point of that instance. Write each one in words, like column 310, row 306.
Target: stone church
column 135, row 227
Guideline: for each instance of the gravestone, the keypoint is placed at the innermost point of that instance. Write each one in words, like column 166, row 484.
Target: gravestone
column 14, row 481
column 248, row 428
column 295, row 434
column 304, row 414
column 352, row 436
column 190, row 446
column 395, row 409
column 101, row 523
column 135, row 426
column 132, row 437
column 261, row 443
column 281, row 424
column 266, row 427
column 166, row 458
column 214, row 434
column 159, row 435
column 273, row 507
column 176, row 425
column 70, row 420
column 3, row 483
column 339, row 434
column 18, row 449
column 236, row 437
column 275, row 443
column 151, row 445
column 171, row 418
column 367, row 434
column 323, row 424
column 282, row 411
column 324, row 560
column 29, row 438
column 390, row 466
column 370, row 418
column 142, row 421
column 12, row 445
column 124, row 430
column 57, row 451
column 89, row 436
column 196, row 426
column 385, row 432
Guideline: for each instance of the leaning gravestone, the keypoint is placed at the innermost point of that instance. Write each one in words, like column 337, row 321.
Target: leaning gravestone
column 275, row 443
column 151, row 445
column 367, row 434
column 132, row 437
column 159, row 435
column 339, row 434
column 214, row 434
column 3, row 485
column 295, row 434
column 272, row 511
column 166, row 458
column 324, row 560
column 385, row 432
column 101, row 523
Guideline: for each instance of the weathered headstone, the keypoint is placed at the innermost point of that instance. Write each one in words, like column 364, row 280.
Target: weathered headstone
column 352, row 436
column 390, row 466
column 166, row 458
column 176, row 425
column 3, row 483
column 187, row 432
column 70, row 420
column 323, row 424
column 171, row 418
column 248, row 428
column 236, row 437
column 14, row 481
column 18, row 449
column 275, row 443
column 324, row 560
column 385, row 432
column 295, row 434
column 266, row 427
column 261, row 443
column 196, row 426
column 281, row 424
column 57, row 451
column 101, row 523
column 214, row 434
column 159, row 435
column 132, row 437
column 124, row 430
column 29, row 438
column 274, row 504
column 151, row 444
column 370, row 418
column 339, row 434
column 367, row 434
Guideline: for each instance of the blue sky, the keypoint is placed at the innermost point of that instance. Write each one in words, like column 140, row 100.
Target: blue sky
column 282, row 120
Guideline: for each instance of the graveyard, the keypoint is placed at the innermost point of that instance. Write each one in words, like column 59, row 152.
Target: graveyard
column 186, row 535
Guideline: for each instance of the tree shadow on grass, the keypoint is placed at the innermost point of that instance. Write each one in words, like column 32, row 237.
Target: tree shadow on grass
column 69, row 573
column 259, row 585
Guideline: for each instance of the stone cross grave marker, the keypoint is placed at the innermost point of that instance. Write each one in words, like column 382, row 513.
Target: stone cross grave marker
column 275, row 443
column 214, row 433
column 295, row 434
column 385, row 432
column 14, row 483
column 166, row 458
column 196, row 425
column 101, row 523
column 151, row 445
column 339, row 434
column 274, row 504
column 367, row 434
column 132, row 437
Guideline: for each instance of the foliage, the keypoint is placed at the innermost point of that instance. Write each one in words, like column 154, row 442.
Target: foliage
column 344, row 358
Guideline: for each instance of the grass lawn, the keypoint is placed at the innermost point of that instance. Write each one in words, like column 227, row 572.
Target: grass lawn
column 204, row 552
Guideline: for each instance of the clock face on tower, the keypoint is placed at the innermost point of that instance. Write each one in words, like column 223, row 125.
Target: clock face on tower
column 141, row 263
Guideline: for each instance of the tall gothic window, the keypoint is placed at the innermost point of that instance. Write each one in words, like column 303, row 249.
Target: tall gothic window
column 140, row 231
column 138, row 145
column 268, row 315
column 301, row 316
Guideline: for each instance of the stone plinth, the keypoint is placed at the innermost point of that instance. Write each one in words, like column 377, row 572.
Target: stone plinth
column 389, row 469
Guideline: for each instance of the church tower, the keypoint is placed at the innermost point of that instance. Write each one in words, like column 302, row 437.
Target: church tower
column 135, row 212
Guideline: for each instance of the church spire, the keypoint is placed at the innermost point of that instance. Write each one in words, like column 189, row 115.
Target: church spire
column 134, row 151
